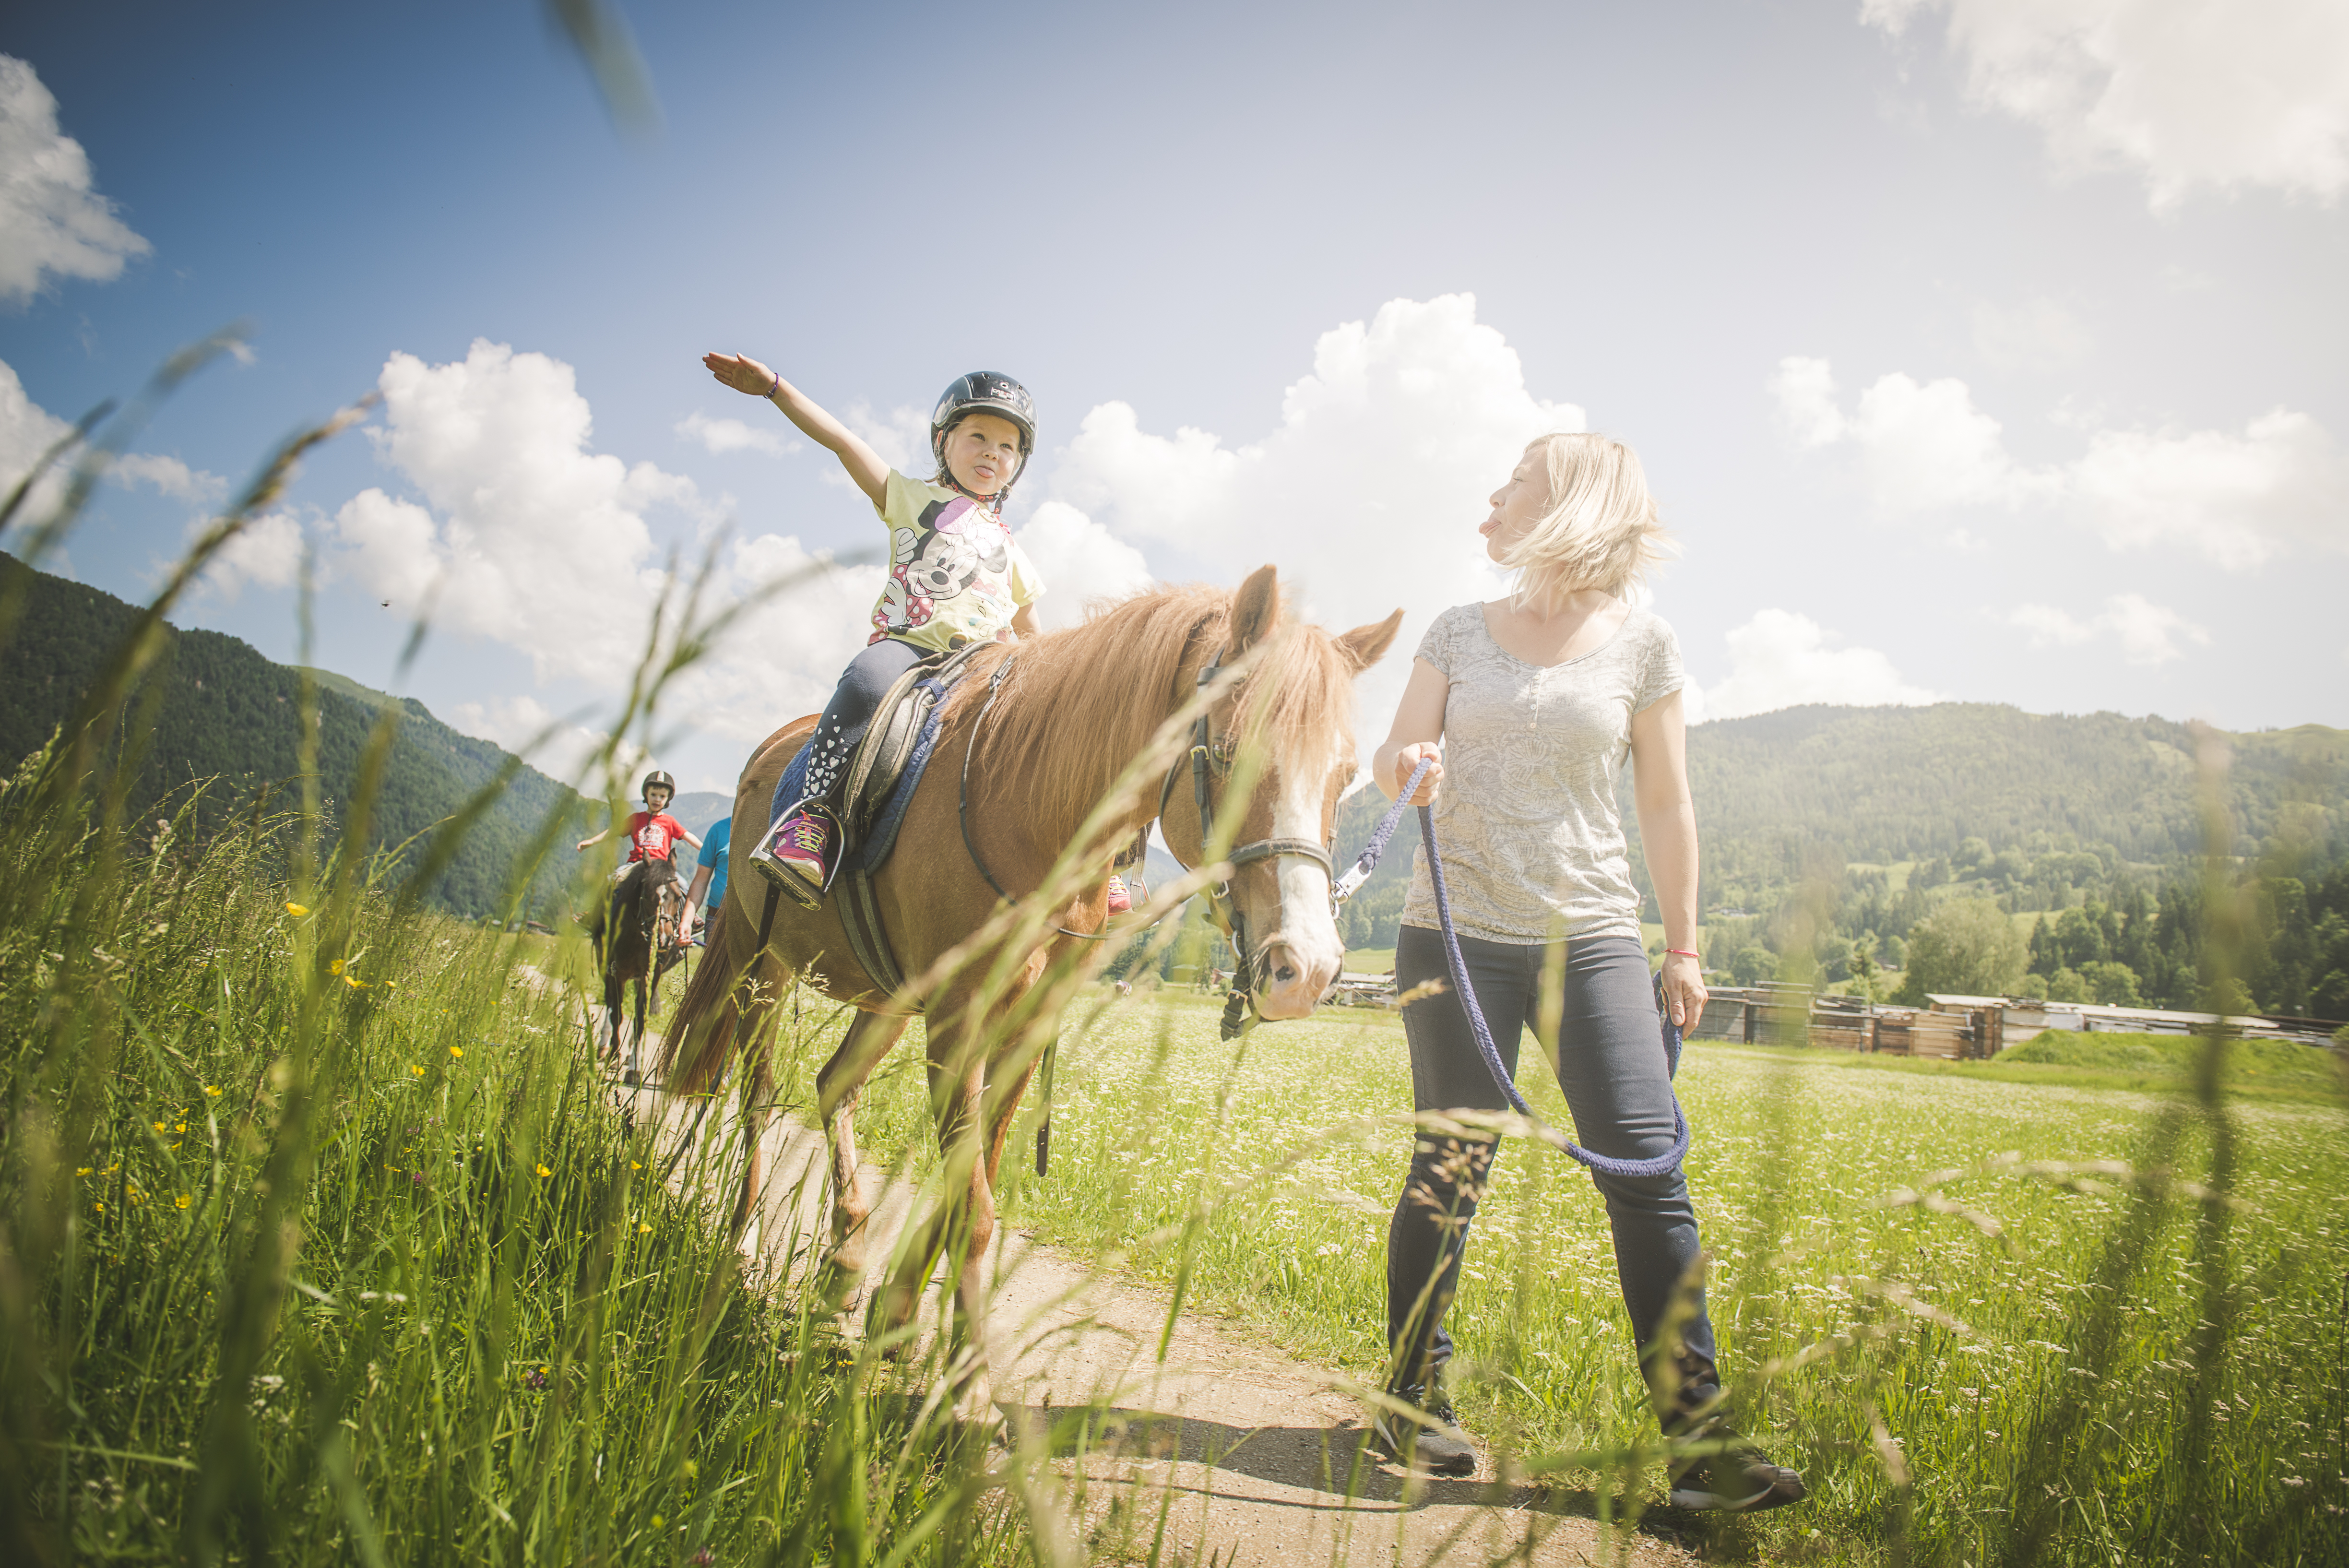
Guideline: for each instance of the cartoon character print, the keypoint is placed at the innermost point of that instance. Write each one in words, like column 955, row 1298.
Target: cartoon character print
column 939, row 560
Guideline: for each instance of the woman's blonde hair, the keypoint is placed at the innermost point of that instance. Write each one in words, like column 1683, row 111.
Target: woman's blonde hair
column 1600, row 529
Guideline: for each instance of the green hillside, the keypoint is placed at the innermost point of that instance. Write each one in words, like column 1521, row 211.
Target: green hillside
column 222, row 711
column 1830, row 834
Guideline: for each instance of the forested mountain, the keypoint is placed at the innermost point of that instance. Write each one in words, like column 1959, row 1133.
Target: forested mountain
column 1829, row 833
column 220, row 709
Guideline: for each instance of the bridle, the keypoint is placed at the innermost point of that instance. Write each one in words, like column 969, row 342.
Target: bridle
column 1209, row 755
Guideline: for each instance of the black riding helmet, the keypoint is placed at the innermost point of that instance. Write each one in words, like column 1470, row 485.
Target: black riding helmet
column 656, row 779
column 984, row 393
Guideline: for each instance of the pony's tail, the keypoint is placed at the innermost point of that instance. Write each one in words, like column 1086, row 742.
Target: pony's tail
column 725, row 1001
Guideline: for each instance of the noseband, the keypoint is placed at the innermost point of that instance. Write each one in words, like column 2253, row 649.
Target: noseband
column 1209, row 755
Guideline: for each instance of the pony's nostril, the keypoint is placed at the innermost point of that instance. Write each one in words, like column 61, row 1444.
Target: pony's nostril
column 1285, row 973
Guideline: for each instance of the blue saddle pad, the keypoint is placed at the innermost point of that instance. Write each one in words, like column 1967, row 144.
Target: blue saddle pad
column 873, row 852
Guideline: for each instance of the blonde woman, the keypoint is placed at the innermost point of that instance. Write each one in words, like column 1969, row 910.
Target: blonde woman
column 1529, row 706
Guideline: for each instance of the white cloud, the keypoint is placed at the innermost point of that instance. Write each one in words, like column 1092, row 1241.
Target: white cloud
column 267, row 551
column 722, row 436
column 902, row 437
column 1780, row 659
column 2189, row 93
column 526, row 536
column 2238, row 500
column 1080, row 561
column 2036, row 334
column 51, row 221
column 1920, row 447
column 538, row 541
column 26, row 431
column 1367, row 492
column 2147, row 632
column 29, row 430
column 170, row 476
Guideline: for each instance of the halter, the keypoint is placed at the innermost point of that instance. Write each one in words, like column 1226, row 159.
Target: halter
column 1209, row 755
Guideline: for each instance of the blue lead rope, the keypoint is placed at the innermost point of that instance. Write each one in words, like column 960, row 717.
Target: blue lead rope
column 1662, row 1164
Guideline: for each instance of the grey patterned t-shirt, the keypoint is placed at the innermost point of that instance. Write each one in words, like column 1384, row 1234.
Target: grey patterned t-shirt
column 1531, row 837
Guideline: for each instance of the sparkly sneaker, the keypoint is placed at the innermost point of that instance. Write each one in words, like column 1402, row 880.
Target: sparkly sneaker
column 1120, row 899
column 796, row 854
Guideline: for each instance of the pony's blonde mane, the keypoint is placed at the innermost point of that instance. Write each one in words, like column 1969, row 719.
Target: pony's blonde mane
column 1096, row 693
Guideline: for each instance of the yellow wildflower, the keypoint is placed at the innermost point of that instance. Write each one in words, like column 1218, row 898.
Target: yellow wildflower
column 415, row 1069
column 297, row 910
column 335, row 966
column 641, row 1228
column 355, row 982
column 160, row 1127
column 181, row 1201
column 83, row 1171
column 544, row 1172
column 210, row 1092
column 456, row 1050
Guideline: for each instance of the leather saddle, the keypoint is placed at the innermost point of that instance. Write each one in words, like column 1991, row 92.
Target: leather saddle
column 883, row 773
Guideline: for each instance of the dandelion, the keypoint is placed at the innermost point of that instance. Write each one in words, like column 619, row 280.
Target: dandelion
column 544, row 1172
column 181, row 1201
column 297, row 910
column 456, row 1050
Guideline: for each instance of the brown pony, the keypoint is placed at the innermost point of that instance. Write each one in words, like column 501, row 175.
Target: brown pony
column 635, row 945
column 1045, row 745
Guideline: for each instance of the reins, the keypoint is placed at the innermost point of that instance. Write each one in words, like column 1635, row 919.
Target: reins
column 962, row 801
column 1606, row 1165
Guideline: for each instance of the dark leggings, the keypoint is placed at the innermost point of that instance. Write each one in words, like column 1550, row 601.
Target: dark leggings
column 862, row 686
column 1617, row 1079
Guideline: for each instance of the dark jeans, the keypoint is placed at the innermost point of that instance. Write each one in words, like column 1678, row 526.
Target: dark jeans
column 1618, row 1082
column 862, row 686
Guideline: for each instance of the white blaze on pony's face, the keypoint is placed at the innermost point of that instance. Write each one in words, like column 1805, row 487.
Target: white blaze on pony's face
column 1300, row 952
column 1303, row 699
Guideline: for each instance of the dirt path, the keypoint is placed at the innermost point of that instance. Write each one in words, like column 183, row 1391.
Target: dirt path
column 1237, row 1451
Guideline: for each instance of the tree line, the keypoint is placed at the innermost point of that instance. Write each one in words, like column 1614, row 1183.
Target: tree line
column 213, row 710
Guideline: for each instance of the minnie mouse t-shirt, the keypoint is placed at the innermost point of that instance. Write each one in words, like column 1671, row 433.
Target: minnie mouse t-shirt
column 955, row 573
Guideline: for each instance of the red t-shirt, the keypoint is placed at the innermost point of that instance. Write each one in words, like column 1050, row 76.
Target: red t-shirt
column 652, row 837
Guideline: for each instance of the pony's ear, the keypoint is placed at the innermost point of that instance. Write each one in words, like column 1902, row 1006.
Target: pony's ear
column 1366, row 644
column 1256, row 609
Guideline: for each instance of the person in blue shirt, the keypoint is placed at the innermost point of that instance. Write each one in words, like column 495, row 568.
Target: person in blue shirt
column 708, row 879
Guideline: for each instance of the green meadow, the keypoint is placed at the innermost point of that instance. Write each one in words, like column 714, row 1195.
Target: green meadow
column 1993, row 1320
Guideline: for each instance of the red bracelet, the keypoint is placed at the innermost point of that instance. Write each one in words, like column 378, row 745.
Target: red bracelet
column 1685, row 953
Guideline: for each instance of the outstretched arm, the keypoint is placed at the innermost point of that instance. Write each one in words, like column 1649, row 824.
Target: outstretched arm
column 591, row 843
column 1418, row 733
column 863, row 464
column 1660, row 791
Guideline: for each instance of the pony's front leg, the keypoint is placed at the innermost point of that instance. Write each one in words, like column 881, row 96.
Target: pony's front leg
column 870, row 1037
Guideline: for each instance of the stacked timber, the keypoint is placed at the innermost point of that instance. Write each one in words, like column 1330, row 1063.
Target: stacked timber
column 1843, row 1023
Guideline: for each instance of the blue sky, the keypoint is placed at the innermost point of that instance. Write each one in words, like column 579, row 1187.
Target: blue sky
column 1989, row 349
